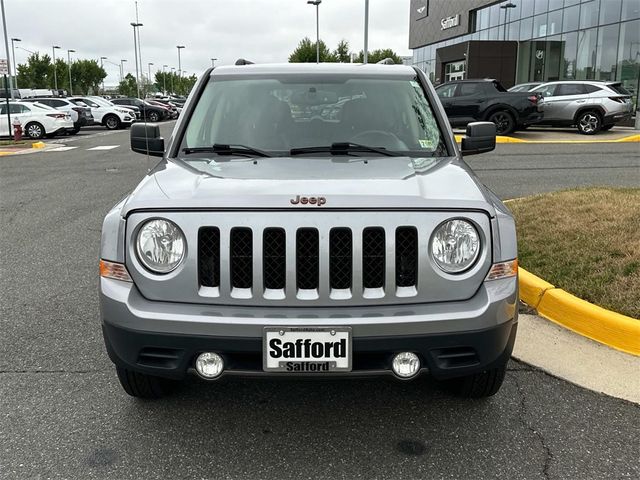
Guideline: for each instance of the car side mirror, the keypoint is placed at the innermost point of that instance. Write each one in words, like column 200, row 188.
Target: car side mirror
column 480, row 138
column 146, row 139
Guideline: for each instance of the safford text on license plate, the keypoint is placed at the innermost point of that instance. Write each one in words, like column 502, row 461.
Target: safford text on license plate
column 307, row 349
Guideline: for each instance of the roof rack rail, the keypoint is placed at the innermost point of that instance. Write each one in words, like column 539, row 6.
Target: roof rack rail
column 242, row 61
column 386, row 61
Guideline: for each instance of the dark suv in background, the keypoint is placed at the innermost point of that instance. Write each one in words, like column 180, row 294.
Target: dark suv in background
column 467, row 101
column 148, row 111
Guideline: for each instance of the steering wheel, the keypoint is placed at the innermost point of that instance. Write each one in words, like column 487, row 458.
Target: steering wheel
column 379, row 138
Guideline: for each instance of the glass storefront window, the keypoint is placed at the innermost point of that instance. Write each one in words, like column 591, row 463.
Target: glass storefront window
column 589, row 14
column 586, row 59
column 494, row 12
column 568, row 60
column 540, row 25
column 513, row 31
column 571, row 18
column 628, row 69
column 540, row 6
column 555, row 4
column 552, row 58
column 527, row 8
column 484, row 35
column 630, row 9
column 610, row 11
column 554, row 22
column 493, row 33
column 607, row 48
column 525, row 28
column 482, row 19
column 568, row 3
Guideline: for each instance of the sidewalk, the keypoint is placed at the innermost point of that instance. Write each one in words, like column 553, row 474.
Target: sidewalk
column 577, row 359
column 564, row 135
column 29, row 146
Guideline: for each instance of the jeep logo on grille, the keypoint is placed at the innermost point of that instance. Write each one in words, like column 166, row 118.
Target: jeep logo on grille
column 319, row 201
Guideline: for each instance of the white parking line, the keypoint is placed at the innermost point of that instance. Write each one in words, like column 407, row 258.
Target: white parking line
column 61, row 149
column 103, row 147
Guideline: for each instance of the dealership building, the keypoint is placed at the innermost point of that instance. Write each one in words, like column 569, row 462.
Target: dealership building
column 520, row 41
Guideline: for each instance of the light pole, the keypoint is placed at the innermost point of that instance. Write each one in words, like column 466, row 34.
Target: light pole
column 179, row 47
column 6, row 46
column 13, row 53
column 317, row 4
column 102, row 67
column 55, row 68
column 164, row 80
column 122, row 69
column 149, row 66
column 69, row 52
column 366, row 32
column 135, row 26
column 506, row 7
column 172, row 75
column 213, row 62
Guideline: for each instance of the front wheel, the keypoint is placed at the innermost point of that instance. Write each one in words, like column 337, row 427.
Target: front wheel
column 34, row 130
column 589, row 123
column 141, row 385
column 479, row 385
column 112, row 122
column 154, row 117
column 505, row 124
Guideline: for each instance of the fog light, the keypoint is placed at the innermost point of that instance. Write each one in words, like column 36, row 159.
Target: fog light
column 209, row 365
column 405, row 364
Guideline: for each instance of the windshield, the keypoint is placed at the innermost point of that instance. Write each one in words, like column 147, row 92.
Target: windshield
column 101, row 101
column 279, row 114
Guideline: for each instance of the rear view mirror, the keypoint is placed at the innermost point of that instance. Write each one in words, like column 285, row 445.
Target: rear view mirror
column 480, row 138
column 146, row 139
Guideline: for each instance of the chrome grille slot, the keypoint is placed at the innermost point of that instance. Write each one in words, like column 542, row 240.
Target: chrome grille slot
column 274, row 251
column 241, row 255
column 373, row 257
column 340, row 258
column 406, row 261
column 209, row 256
column 307, row 261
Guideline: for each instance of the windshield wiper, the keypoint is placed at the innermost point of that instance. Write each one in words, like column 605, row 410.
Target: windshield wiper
column 343, row 148
column 222, row 149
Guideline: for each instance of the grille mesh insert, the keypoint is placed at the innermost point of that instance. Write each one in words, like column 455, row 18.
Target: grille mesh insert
column 307, row 258
column 373, row 257
column 274, row 258
column 340, row 258
column 406, row 256
column 241, row 257
column 209, row 256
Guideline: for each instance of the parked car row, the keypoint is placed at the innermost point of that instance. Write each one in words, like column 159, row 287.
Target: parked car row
column 590, row 106
column 50, row 116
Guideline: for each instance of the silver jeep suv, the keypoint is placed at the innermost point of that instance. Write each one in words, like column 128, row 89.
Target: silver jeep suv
column 310, row 220
column 589, row 105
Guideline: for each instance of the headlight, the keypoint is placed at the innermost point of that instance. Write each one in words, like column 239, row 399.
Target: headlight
column 455, row 245
column 160, row 245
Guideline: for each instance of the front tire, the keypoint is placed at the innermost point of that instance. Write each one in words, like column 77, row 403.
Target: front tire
column 479, row 385
column 154, row 117
column 505, row 123
column 112, row 122
column 34, row 130
column 141, row 385
column 589, row 123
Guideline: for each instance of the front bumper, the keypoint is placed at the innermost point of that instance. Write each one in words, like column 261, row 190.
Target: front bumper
column 451, row 338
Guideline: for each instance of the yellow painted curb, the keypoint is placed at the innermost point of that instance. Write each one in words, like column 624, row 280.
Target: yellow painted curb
column 38, row 145
column 532, row 288
column 630, row 138
column 499, row 139
column 604, row 326
column 504, row 139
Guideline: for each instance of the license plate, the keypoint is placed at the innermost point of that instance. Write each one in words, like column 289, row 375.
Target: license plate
column 307, row 349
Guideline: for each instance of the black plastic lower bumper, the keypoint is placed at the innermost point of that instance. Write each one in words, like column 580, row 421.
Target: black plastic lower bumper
column 444, row 355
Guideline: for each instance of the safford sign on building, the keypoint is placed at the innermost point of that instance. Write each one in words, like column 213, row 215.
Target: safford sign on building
column 519, row 41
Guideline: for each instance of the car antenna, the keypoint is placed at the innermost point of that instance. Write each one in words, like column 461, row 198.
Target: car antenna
column 242, row 61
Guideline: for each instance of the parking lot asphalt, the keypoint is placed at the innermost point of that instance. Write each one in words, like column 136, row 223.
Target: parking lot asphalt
column 64, row 415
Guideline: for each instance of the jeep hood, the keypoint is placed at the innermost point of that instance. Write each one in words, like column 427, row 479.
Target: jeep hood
column 345, row 182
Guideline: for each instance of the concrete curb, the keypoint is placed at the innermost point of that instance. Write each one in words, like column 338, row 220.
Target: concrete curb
column 504, row 139
column 604, row 326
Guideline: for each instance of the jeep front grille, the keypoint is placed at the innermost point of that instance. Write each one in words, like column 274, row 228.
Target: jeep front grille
column 314, row 269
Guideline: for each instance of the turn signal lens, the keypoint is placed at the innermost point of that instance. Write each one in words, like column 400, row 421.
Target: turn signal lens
column 503, row 270
column 117, row 271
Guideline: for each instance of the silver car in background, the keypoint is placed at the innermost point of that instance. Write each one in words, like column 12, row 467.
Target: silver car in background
column 589, row 105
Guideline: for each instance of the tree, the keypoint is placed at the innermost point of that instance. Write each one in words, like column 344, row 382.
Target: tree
column 377, row 55
column 128, row 86
column 305, row 52
column 87, row 75
column 342, row 52
column 36, row 73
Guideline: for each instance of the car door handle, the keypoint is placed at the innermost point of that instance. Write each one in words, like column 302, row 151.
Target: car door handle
column 580, row 101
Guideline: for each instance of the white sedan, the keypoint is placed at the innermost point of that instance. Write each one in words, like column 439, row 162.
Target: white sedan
column 37, row 120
